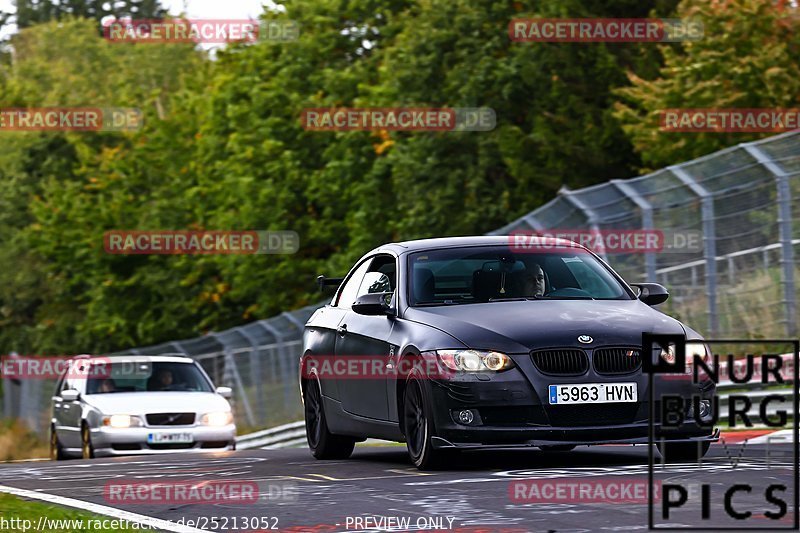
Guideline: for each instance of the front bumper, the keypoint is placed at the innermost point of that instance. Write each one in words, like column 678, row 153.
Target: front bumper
column 511, row 409
column 133, row 441
column 505, row 439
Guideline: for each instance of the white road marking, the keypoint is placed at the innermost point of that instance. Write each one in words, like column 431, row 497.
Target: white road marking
column 155, row 523
column 776, row 437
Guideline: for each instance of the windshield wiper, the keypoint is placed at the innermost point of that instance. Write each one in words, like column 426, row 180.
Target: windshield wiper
column 562, row 298
column 442, row 302
column 509, row 299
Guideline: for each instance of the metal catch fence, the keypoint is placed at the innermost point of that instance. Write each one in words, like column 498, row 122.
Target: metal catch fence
column 740, row 283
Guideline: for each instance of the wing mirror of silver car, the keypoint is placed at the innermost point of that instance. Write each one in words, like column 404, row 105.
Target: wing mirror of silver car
column 70, row 395
column 225, row 392
column 651, row 293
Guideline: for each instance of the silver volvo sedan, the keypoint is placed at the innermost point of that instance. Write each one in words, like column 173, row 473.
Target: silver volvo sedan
column 127, row 405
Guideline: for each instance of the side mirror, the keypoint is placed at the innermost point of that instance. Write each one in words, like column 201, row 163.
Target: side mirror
column 70, row 395
column 376, row 303
column 225, row 392
column 652, row 293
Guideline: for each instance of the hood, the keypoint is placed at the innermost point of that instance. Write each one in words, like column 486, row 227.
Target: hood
column 518, row 327
column 141, row 403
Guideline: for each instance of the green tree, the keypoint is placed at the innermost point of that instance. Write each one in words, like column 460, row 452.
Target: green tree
column 29, row 12
column 223, row 148
column 52, row 185
column 749, row 57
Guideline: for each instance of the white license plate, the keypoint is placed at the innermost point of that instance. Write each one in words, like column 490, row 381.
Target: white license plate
column 169, row 438
column 593, row 393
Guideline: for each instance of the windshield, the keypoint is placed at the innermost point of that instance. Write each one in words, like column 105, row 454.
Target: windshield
column 484, row 274
column 128, row 376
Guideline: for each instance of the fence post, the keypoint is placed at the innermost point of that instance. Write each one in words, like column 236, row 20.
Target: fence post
column 10, row 410
column 283, row 352
column 785, row 229
column 533, row 222
column 709, row 241
column 647, row 223
column 255, row 370
column 591, row 216
column 230, row 368
column 294, row 320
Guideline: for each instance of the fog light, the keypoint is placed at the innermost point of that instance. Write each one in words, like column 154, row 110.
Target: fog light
column 704, row 407
column 466, row 417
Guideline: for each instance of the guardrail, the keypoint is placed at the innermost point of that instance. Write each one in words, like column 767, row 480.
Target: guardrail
column 755, row 380
column 754, row 412
column 294, row 433
column 283, row 436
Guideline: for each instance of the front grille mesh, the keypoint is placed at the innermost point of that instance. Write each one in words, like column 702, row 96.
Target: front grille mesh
column 592, row 415
column 564, row 362
column 170, row 419
column 171, row 446
column 617, row 360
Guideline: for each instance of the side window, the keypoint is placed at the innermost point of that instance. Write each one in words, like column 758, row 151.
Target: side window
column 69, row 384
column 60, row 384
column 349, row 292
column 381, row 276
column 375, row 282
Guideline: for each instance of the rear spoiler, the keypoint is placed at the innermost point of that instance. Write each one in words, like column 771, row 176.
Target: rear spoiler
column 323, row 282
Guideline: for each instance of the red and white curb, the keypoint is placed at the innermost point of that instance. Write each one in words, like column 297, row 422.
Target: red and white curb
column 758, row 436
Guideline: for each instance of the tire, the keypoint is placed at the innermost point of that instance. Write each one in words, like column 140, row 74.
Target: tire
column 56, row 451
column 557, row 447
column 418, row 427
column 87, row 450
column 322, row 443
column 682, row 452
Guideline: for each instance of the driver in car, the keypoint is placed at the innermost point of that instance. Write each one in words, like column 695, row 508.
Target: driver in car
column 108, row 385
column 163, row 380
column 533, row 282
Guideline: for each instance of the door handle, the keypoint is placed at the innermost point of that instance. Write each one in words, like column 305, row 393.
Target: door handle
column 342, row 330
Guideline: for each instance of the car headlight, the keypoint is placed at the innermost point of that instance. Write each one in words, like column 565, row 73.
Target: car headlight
column 668, row 354
column 221, row 418
column 474, row 360
column 701, row 350
column 122, row 421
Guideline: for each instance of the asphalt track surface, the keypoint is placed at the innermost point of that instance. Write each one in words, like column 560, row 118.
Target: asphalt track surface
column 474, row 494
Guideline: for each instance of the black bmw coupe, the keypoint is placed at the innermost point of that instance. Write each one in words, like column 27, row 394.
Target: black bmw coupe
column 473, row 342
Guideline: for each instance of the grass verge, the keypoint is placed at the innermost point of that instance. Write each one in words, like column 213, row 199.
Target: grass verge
column 17, row 441
column 17, row 514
